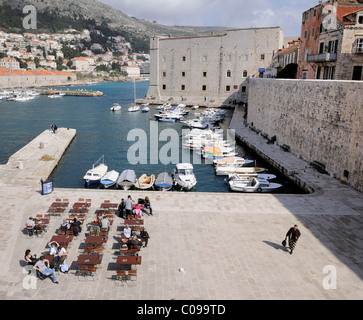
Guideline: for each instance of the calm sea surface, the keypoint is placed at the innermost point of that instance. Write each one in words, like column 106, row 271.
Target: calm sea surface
column 102, row 132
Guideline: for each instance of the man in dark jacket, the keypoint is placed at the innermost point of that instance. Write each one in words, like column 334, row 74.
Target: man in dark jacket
column 293, row 235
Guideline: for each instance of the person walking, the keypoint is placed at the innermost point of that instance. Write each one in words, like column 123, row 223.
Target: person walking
column 293, row 236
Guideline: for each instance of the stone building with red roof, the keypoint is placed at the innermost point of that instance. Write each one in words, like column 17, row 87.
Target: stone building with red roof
column 332, row 41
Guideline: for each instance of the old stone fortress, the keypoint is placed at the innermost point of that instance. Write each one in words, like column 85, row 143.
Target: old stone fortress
column 317, row 114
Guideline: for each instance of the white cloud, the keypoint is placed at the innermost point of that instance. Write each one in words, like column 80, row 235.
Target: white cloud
column 229, row 13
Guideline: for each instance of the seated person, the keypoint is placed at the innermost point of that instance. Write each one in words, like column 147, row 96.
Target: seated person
column 65, row 225
column 53, row 248
column 134, row 243
column 30, row 225
column 29, row 258
column 95, row 227
column 61, row 255
column 43, row 267
column 127, row 231
column 76, row 226
column 144, row 236
column 105, row 223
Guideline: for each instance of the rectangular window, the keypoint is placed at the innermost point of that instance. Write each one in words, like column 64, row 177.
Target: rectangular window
column 321, row 48
column 164, row 86
column 312, row 32
column 360, row 19
column 183, row 74
column 204, row 74
column 182, row 87
column 262, row 57
column 204, row 88
column 229, row 57
column 306, row 34
column 164, row 59
column 205, row 58
column 228, row 88
column 360, row 45
column 244, row 88
column 246, row 57
column 164, row 74
column 305, row 74
column 184, row 58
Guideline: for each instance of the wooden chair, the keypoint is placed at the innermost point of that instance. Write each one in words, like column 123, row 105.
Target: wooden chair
column 121, row 276
column 107, row 201
column 81, row 199
column 82, row 270
column 58, row 200
column 93, row 233
column 61, row 232
column 92, row 270
column 40, row 216
column 47, row 216
column 88, row 250
column 132, row 275
column 69, row 233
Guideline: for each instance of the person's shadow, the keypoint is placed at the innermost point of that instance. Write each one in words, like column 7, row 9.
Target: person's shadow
column 276, row 246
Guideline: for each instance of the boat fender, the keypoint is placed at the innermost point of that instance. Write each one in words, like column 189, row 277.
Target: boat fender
column 259, row 190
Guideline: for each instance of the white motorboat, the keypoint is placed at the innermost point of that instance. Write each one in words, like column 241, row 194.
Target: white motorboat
column 226, row 171
column 110, row 179
column 145, row 109
column 195, row 107
column 232, row 161
column 217, row 152
column 184, row 177
column 134, row 108
column 164, row 182
column 165, row 106
column 94, row 175
column 196, row 124
column 249, row 176
column 116, row 107
column 126, row 180
column 253, row 185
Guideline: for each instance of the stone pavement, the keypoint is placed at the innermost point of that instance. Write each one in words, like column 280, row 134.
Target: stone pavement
column 228, row 244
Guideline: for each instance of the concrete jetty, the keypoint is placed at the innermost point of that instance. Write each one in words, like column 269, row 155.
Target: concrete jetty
column 37, row 159
column 228, row 245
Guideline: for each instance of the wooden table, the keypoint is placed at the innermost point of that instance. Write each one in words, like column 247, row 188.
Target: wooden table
column 96, row 239
column 109, row 205
column 62, row 239
column 130, row 260
column 134, row 222
column 89, row 259
column 59, row 205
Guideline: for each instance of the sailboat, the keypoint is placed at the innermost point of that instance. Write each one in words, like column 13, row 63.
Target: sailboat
column 134, row 107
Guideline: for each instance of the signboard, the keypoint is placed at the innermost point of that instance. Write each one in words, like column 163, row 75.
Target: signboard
column 47, row 187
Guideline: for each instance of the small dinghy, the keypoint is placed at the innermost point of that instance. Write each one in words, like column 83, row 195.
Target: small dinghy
column 109, row 179
column 164, row 181
column 145, row 182
column 126, row 179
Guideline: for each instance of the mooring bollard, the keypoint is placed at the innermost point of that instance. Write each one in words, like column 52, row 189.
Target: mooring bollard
column 20, row 165
column 41, row 145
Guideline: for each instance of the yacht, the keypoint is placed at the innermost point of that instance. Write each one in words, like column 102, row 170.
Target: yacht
column 94, row 175
column 116, row 107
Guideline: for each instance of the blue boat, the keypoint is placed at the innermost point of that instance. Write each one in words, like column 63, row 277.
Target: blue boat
column 164, row 182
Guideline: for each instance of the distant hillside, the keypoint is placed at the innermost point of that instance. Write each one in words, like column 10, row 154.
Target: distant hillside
column 57, row 15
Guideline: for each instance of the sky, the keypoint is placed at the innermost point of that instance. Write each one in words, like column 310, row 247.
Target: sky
column 227, row 13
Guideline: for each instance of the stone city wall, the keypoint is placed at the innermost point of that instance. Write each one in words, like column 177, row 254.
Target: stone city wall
column 317, row 120
column 29, row 81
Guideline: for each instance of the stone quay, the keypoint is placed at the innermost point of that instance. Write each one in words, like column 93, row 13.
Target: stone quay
column 203, row 246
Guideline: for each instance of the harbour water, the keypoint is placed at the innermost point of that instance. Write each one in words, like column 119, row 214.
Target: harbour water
column 102, row 132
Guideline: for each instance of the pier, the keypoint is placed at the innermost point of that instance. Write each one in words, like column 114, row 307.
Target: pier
column 71, row 93
column 228, row 245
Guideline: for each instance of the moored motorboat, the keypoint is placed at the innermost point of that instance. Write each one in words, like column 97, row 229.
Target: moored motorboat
column 145, row 182
column 184, row 177
column 134, row 108
column 126, row 179
column 225, row 170
column 164, row 181
column 145, row 109
column 116, row 107
column 109, row 179
column 94, row 175
column 253, row 185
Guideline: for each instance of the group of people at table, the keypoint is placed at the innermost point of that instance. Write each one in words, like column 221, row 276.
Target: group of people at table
column 47, row 264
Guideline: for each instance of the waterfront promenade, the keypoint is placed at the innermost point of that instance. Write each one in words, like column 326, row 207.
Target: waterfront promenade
column 228, row 244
